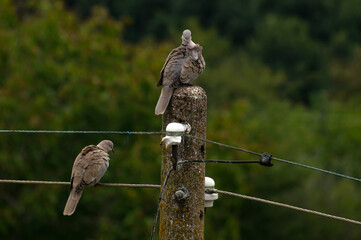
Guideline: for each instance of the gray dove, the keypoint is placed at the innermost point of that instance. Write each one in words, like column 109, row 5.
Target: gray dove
column 89, row 167
column 170, row 73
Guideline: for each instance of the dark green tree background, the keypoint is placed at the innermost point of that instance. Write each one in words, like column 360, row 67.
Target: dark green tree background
column 282, row 77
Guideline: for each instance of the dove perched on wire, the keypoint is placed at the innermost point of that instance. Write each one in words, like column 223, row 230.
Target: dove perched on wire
column 171, row 71
column 89, row 167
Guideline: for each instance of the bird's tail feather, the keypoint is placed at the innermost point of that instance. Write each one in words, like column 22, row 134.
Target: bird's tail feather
column 163, row 100
column 72, row 202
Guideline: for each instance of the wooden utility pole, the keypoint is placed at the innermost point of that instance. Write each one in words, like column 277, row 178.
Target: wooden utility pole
column 182, row 206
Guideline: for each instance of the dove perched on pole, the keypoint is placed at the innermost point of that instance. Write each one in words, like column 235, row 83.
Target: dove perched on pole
column 89, row 167
column 170, row 73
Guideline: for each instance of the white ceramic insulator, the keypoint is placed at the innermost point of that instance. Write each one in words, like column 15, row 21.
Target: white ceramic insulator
column 209, row 197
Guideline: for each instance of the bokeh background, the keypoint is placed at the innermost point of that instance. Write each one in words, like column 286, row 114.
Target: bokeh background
column 282, row 77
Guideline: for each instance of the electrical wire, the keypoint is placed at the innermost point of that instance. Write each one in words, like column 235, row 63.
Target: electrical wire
column 317, row 169
column 218, row 161
column 286, row 206
column 132, row 185
column 224, row 145
column 159, row 201
column 278, row 159
column 81, row 132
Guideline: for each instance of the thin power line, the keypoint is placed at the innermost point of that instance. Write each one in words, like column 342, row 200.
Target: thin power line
column 287, row 206
column 279, row 159
column 225, row 145
column 132, row 185
column 81, row 132
column 317, row 169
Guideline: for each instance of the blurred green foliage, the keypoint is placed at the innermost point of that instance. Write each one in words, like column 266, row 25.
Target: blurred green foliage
column 297, row 37
column 282, row 77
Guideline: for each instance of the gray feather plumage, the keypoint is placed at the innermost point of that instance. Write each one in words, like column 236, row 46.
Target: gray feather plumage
column 193, row 65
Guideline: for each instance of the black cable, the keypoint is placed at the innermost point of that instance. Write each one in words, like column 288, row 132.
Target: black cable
column 218, row 161
column 159, row 201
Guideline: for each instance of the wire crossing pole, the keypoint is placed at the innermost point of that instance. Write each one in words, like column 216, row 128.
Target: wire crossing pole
column 182, row 206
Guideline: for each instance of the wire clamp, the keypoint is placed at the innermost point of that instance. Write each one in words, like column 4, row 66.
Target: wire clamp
column 265, row 160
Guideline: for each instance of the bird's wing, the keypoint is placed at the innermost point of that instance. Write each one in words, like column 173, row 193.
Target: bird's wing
column 86, row 169
column 192, row 69
column 188, row 72
column 202, row 63
column 97, row 167
column 172, row 66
